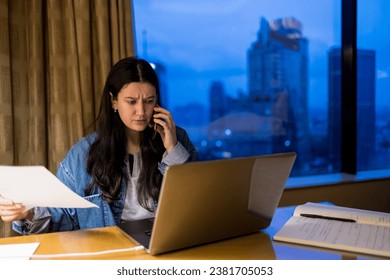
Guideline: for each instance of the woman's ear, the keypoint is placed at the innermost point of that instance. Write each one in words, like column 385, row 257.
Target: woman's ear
column 113, row 102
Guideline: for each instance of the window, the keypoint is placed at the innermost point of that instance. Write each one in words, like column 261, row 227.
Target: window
column 249, row 77
column 373, row 67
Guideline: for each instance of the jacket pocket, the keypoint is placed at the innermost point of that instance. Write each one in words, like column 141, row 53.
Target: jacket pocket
column 95, row 217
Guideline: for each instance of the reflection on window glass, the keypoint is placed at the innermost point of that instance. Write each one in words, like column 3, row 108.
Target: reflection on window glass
column 373, row 67
column 247, row 77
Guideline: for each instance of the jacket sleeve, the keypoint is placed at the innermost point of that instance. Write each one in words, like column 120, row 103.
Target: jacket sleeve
column 183, row 138
column 183, row 152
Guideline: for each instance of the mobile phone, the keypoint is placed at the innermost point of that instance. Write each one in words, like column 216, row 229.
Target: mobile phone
column 155, row 125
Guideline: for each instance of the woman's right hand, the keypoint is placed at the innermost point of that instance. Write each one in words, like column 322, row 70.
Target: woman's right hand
column 10, row 211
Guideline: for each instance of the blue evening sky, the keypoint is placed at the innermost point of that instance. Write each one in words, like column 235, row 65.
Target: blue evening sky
column 204, row 40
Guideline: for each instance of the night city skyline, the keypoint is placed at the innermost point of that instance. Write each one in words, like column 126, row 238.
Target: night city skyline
column 215, row 105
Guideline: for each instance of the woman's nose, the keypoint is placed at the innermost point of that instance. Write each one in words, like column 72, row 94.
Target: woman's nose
column 140, row 109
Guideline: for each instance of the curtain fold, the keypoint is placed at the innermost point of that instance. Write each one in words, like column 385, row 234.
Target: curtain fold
column 54, row 58
column 6, row 110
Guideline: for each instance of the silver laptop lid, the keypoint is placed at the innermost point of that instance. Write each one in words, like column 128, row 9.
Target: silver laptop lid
column 202, row 202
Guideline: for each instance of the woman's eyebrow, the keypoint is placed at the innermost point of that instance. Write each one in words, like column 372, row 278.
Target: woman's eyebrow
column 138, row 97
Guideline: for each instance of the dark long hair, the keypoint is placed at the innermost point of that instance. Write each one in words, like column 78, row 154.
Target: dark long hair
column 105, row 162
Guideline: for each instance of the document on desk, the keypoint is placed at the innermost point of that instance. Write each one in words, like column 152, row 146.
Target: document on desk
column 341, row 228
column 21, row 251
column 37, row 186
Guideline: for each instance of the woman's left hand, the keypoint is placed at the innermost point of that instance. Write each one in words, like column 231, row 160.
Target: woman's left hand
column 10, row 211
column 165, row 127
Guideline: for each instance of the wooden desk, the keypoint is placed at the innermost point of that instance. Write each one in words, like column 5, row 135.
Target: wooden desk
column 253, row 246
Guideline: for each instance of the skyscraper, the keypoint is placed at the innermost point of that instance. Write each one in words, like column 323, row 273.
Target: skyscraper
column 278, row 84
column 218, row 100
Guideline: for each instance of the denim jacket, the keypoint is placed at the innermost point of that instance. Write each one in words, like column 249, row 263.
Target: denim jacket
column 72, row 172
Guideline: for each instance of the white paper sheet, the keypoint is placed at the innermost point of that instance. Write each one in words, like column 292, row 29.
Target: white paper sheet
column 37, row 186
column 18, row 251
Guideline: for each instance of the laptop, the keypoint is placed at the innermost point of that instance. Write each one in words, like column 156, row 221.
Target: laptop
column 207, row 201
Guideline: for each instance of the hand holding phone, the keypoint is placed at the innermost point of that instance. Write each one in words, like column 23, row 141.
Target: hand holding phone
column 164, row 124
column 155, row 125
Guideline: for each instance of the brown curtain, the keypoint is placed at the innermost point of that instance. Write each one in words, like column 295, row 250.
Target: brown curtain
column 54, row 57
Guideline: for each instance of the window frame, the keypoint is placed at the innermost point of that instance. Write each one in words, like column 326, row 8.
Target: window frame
column 349, row 86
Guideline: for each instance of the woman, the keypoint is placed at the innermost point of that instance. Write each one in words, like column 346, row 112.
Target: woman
column 120, row 166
